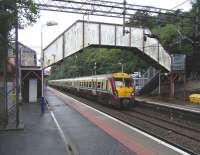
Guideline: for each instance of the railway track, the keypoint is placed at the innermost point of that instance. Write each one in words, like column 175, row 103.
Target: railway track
column 171, row 122
column 185, row 137
column 170, row 130
column 178, row 121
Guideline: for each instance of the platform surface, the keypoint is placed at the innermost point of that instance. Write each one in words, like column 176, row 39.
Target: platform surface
column 176, row 104
column 94, row 133
column 39, row 136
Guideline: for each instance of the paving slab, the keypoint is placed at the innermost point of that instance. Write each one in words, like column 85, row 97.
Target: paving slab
column 39, row 137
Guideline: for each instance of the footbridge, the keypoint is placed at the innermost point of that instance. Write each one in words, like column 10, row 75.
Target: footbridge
column 83, row 34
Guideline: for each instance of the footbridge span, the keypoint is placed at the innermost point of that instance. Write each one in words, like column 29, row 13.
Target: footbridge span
column 83, row 34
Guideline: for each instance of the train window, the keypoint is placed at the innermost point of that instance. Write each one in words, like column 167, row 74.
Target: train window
column 120, row 82
column 128, row 82
column 102, row 84
column 98, row 84
column 90, row 84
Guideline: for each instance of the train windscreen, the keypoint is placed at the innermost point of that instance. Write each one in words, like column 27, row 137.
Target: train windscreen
column 123, row 82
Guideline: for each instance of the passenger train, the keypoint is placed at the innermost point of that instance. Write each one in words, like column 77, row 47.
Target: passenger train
column 112, row 89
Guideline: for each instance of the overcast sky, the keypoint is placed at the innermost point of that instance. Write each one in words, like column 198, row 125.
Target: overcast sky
column 30, row 36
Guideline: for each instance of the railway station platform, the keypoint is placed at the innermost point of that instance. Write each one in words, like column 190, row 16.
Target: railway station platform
column 38, row 137
column 170, row 103
column 89, row 131
column 69, row 127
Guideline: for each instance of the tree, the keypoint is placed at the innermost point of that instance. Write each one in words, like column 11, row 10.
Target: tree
column 99, row 61
column 27, row 14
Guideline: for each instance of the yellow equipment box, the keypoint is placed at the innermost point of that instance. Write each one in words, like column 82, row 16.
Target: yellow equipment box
column 195, row 98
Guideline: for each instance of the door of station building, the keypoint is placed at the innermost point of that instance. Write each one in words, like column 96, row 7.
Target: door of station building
column 32, row 90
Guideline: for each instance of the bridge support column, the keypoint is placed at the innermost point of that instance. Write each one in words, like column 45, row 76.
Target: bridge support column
column 171, row 84
column 159, row 85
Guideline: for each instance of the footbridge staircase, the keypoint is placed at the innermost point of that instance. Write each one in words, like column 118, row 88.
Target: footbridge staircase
column 83, row 34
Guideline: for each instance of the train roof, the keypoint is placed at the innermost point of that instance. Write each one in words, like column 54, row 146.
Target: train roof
column 115, row 75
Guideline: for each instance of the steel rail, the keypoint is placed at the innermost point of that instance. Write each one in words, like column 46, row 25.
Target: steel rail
column 151, row 121
column 168, row 121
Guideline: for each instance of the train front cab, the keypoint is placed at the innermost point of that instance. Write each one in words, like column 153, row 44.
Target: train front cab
column 123, row 90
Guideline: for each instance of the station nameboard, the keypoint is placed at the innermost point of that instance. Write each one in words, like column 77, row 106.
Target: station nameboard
column 178, row 62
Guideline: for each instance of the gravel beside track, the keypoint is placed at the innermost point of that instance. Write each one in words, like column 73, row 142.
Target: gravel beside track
column 177, row 130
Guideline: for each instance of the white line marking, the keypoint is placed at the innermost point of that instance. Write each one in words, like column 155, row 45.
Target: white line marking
column 130, row 127
column 66, row 143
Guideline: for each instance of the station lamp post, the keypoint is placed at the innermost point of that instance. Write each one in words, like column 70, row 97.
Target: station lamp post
column 50, row 23
column 122, row 67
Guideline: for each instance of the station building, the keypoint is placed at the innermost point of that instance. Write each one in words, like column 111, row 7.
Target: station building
column 30, row 75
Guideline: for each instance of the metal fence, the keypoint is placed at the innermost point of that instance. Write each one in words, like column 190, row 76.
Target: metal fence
column 144, row 78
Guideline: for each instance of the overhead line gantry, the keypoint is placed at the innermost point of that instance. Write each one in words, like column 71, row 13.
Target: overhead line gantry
column 99, row 8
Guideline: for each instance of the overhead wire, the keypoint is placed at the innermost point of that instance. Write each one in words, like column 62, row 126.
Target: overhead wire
column 180, row 4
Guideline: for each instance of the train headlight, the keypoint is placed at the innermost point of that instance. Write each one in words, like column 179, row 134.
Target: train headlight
column 116, row 93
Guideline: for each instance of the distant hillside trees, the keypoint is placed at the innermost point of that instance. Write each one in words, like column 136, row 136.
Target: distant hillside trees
column 99, row 61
